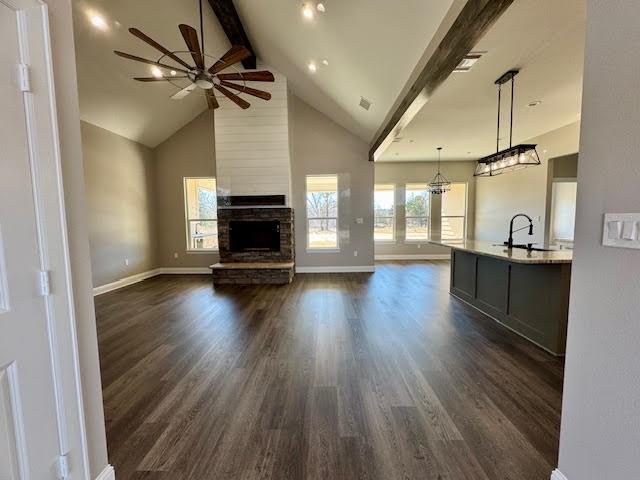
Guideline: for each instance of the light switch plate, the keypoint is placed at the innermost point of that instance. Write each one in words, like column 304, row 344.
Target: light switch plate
column 621, row 230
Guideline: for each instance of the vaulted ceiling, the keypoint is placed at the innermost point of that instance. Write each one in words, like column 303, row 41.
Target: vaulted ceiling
column 371, row 47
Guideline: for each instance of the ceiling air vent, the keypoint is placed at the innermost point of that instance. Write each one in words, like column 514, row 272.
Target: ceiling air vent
column 468, row 61
column 364, row 103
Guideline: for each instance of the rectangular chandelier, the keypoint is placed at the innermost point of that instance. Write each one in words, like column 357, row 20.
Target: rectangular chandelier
column 508, row 160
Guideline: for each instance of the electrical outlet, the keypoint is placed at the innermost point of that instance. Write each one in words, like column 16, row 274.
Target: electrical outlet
column 355, row 253
column 126, row 262
column 175, row 254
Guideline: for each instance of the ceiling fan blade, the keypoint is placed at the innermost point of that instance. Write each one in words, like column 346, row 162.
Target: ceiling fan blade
column 211, row 100
column 157, row 46
column 191, row 39
column 251, row 91
column 157, row 79
column 258, row 76
column 235, row 54
column 184, row 92
column 150, row 62
column 233, row 97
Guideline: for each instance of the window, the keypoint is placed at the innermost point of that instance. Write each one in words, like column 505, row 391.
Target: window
column 454, row 213
column 322, row 212
column 384, row 213
column 563, row 211
column 201, row 213
column 416, row 199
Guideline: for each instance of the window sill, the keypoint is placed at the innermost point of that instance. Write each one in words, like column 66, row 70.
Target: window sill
column 323, row 250
column 201, row 252
column 422, row 241
column 385, row 242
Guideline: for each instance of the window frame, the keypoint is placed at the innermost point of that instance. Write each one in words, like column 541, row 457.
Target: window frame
column 393, row 217
column 427, row 217
column 464, row 217
column 308, row 219
column 188, row 220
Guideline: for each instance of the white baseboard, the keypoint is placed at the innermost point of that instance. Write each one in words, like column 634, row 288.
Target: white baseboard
column 558, row 475
column 337, row 269
column 107, row 474
column 433, row 256
column 184, row 270
column 124, row 282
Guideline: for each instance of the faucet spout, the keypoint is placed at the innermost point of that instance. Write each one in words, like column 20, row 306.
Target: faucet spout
column 509, row 243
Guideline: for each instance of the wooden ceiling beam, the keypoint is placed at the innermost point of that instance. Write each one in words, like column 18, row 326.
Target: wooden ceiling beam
column 474, row 20
column 232, row 26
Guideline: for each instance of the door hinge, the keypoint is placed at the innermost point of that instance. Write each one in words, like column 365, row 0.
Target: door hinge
column 63, row 467
column 45, row 283
column 24, row 78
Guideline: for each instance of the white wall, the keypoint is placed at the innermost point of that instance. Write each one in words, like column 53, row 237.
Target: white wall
column 600, row 433
column 252, row 146
column 523, row 191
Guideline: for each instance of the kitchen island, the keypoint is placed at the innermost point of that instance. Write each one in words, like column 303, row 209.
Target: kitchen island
column 526, row 291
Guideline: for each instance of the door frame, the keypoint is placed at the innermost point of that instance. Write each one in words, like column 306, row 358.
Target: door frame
column 47, row 184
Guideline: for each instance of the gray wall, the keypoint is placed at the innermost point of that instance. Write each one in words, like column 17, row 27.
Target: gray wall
column 321, row 146
column 524, row 191
column 401, row 173
column 120, row 185
column 76, row 212
column 190, row 152
column 600, row 434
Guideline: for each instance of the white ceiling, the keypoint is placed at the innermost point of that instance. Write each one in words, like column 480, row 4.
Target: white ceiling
column 371, row 45
column 545, row 39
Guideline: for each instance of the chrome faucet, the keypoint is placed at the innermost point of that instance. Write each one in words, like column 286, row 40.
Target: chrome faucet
column 509, row 243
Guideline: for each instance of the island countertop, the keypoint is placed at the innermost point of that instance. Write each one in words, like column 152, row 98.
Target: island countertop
column 515, row 255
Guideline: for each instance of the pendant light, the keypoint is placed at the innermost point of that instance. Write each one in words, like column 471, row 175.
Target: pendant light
column 439, row 184
column 512, row 158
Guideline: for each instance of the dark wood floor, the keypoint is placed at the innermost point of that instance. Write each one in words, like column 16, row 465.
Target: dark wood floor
column 349, row 376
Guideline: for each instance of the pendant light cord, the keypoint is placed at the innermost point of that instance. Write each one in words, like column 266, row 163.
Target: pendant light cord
column 498, row 134
column 513, row 81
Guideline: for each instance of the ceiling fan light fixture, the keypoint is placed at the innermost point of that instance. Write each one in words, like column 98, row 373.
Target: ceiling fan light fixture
column 320, row 7
column 156, row 72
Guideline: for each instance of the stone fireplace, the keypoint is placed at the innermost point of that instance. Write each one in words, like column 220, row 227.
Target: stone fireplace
column 256, row 245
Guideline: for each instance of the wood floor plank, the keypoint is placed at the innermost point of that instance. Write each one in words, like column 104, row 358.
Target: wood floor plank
column 380, row 376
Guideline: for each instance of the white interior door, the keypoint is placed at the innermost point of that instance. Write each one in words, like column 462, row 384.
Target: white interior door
column 29, row 430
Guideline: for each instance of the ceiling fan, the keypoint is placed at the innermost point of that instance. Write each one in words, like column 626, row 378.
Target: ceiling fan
column 199, row 75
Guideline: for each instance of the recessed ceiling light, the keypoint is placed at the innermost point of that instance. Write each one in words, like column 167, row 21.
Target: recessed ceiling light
column 98, row 21
column 325, row 62
column 307, row 11
column 173, row 73
column 535, row 103
column 313, row 68
column 156, row 72
column 320, row 7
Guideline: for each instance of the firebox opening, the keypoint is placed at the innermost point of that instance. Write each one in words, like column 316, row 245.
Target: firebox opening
column 254, row 236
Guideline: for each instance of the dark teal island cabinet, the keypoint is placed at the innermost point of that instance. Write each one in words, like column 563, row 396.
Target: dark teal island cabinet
column 526, row 291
